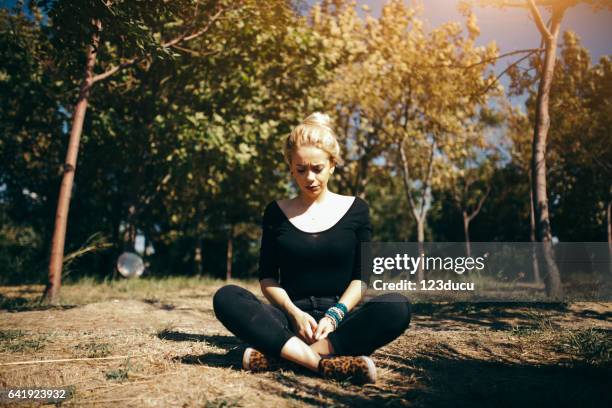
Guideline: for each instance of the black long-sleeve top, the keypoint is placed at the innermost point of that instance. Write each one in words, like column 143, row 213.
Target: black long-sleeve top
column 313, row 263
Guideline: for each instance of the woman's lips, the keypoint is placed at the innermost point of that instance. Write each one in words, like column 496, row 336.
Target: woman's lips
column 312, row 188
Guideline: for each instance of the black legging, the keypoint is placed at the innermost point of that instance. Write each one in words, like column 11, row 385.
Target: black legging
column 267, row 328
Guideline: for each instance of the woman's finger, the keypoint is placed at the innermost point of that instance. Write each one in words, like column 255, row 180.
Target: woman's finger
column 313, row 324
column 309, row 331
column 319, row 332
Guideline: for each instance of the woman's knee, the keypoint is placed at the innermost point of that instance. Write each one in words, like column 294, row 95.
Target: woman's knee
column 226, row 296
column 396, row 310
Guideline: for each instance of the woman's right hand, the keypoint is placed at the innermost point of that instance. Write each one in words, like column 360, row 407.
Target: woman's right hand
column 304, row 325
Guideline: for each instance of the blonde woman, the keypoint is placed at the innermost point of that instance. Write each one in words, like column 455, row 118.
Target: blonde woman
column 309, row 270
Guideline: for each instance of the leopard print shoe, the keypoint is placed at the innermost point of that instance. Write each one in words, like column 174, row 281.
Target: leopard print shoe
column 358, row 370
column 256, row 361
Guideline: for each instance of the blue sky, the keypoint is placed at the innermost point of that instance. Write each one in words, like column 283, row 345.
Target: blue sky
column 513, row 28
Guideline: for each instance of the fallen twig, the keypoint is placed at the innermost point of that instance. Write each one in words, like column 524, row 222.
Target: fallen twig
column 115, row 400
column 63, row 360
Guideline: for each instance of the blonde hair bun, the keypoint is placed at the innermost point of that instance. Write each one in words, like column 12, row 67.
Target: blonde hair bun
column 319, row 119
column 315, row 130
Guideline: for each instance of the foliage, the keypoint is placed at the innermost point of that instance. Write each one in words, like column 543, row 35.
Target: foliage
column 404, row 95
column 579, row 150
column 183, row 145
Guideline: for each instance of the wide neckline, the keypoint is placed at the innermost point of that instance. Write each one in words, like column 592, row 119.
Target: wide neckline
column 316, row 232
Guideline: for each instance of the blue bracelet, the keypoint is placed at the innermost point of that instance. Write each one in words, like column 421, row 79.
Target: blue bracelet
column 342, row 307
column 334, row 315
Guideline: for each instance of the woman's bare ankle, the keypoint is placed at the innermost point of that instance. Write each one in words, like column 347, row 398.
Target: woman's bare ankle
column 323, row 347
column 295, row 350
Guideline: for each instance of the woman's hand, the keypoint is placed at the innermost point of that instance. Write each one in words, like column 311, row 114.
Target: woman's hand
column 325, row 327
column 304, row 325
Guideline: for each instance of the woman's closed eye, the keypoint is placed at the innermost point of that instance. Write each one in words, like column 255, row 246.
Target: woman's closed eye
column 315, row 169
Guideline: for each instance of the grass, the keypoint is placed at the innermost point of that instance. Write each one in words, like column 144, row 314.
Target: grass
column 93, row 349
column 8, row 335
column 454, row 354
column 591, row 345
column 17, row 341
column 18, row 304
column 223, row 403
column 88, row 290
column 538, row 323
column 120, row 374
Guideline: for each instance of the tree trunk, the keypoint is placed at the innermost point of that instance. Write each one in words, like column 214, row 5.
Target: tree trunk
column 552, row 280
column 197, row 256
column 610, row 235
column 419, row 212
column 532, row 236
column 538, row 161
column 363, row 176
column 420, row 239
column 63, row 205
column 230, row 254
column 466, row 234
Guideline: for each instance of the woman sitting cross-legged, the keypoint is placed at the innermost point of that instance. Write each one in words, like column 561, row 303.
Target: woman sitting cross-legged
column 309, row 270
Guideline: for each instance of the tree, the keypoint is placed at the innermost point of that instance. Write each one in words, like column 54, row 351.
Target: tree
column 239, row 101
column 580, row 174
column 470, row 180
column 518, row 130
column 550, row 34
column 31, row 120
column 127, row 28
column 404, row 96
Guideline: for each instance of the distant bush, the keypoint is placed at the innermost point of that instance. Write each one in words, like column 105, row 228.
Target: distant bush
column 21, row 255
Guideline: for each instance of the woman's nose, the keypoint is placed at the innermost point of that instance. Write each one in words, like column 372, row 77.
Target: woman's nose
column 310, row 175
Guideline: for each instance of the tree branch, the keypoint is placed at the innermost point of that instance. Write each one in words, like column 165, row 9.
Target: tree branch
column 538, row 20
column 511, row 4
column 530, row 50
column 112, row 70
column 480, row 203
column 194, row 52
column 428, row 178
column 405, row 176
column 172, row 43
column 515, row 63
column 521, row 4
column 185, row 37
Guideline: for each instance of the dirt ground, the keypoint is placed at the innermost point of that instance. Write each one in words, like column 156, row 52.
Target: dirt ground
column 165, row 348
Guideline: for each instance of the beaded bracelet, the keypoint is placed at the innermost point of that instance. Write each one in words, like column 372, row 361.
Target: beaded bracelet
column 332, row 319
column 336, row 313
column 342, row 307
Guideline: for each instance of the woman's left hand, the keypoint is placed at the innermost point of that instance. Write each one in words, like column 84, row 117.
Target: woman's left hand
column 324, row 328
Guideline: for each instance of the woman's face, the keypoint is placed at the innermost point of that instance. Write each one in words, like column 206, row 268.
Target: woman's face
column 311, row 168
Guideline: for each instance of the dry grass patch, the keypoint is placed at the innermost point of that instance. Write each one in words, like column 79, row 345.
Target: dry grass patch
column 157, row 343
column 18, row 341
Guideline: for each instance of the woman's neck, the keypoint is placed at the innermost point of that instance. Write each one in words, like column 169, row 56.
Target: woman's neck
column 320, row 199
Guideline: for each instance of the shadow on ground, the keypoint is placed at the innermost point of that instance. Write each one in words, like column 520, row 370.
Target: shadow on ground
column 439, row 376
column 452, row 379
column 22, row 304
